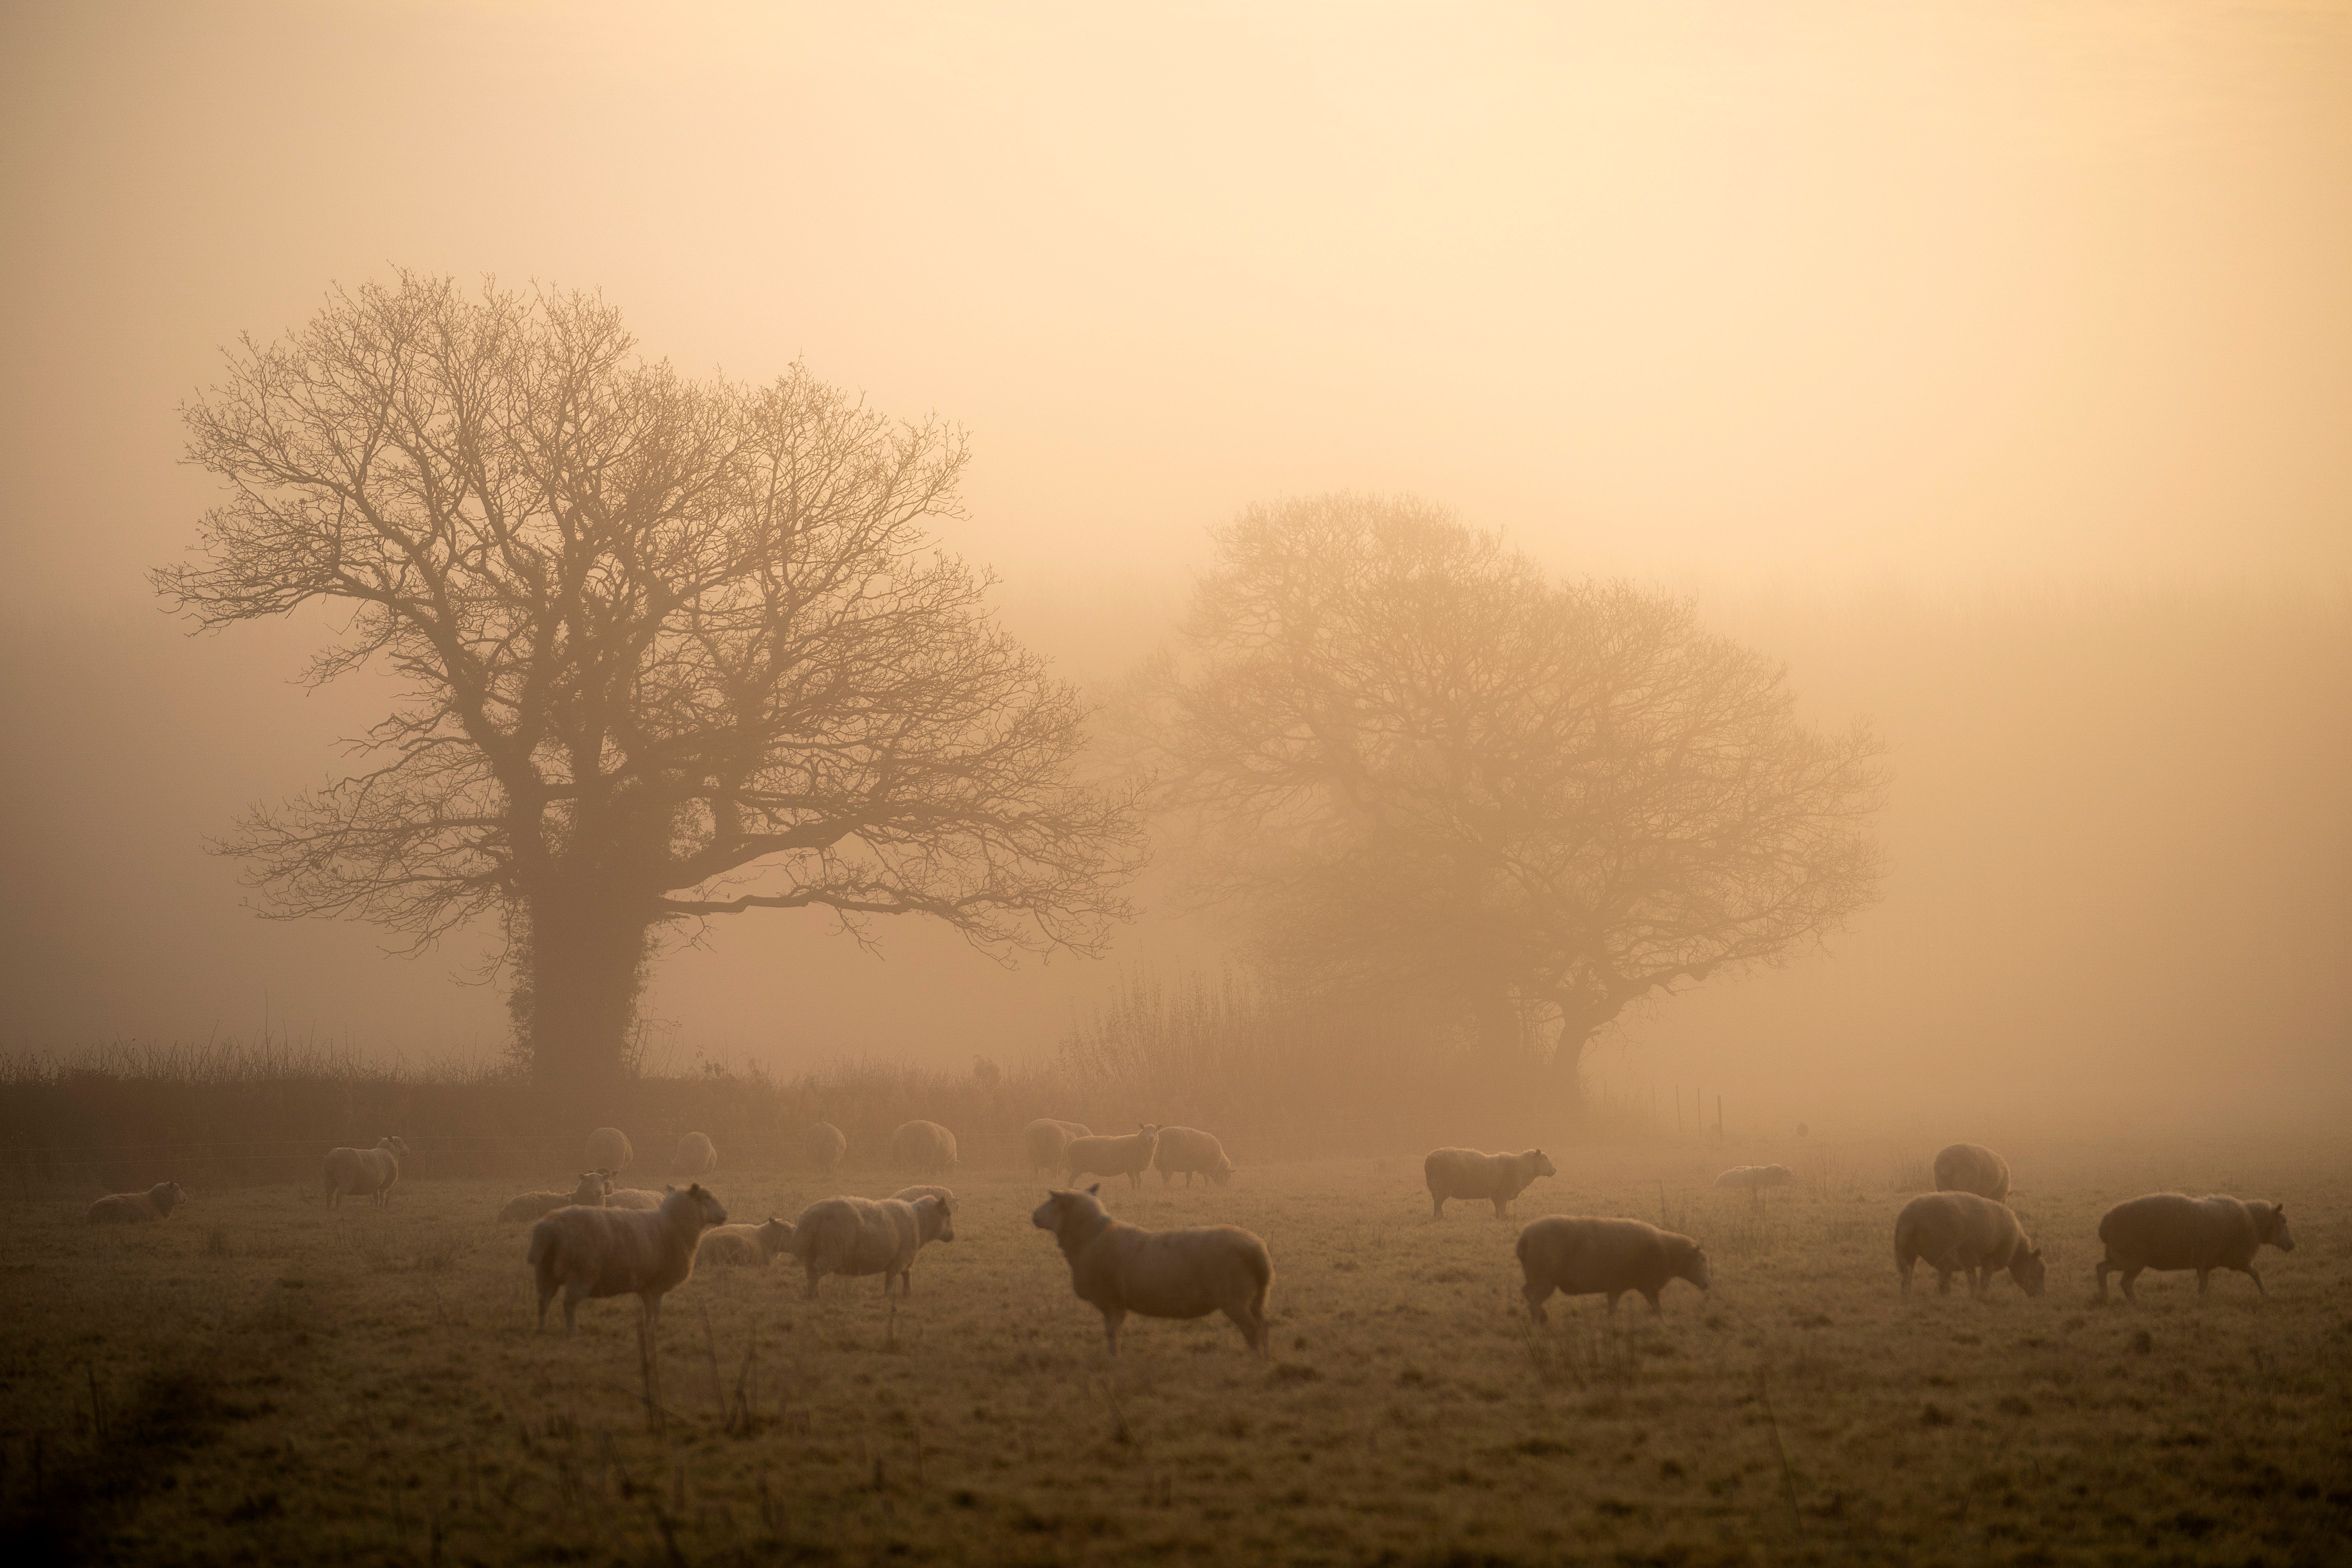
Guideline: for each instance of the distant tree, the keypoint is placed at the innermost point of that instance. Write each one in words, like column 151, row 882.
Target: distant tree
column 1426, row 767
column 669, row 650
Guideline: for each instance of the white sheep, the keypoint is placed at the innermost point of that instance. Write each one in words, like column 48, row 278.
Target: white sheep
column 589, row 1193
column 138, row 1209
column 867, row 1236
column 1972, row 1168
column 2172, row 1230
column 1962, row 1233
column 756, row 1245
column 1751, row 1178
column 589, row 1252
column 1190, row 1151
column 609, row 1149
column 1189, row 1273
column 825, row 1144
column 1128, row 1154
column 369, row 1170
column 924, row 1146
column 695, row 1157
column 1044, row 1140
column 1582, row 1256
column 639, row 1198
column 1467, row 1173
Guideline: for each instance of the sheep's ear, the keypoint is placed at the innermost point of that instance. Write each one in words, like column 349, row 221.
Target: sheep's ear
column 1095, row 1190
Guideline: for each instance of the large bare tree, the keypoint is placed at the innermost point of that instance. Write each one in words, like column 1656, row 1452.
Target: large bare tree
column 669, row 650
column 1425, row 766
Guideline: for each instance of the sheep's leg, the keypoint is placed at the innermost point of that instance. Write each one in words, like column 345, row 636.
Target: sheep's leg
column 1536, row 1296
column 814, row 1276
column 2248, row 1270
column 2130, row 1294
column 1655, row 1310
column 1437, row 1206
column 2100, row 1274
column 1502, row 1208
column 1904, row 1266
column 1111, row 1321
column 546, row 1294
column 1943, row 1280
column 653, row 1315
column 572, row 1294
column 1253, row 1326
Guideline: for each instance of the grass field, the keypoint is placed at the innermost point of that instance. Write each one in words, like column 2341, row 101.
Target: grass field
column 262, row 1380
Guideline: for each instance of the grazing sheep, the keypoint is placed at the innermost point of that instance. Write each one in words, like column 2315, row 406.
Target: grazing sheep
column 1122, row 1268
column 639, row 1198
column 587, row 1252
column 589, row 1193
column 1467, row 1173
column 825, row 1144
column 1751, row 1178
column 1582, row 1256
column 756, row 1245
column 867, row 1236
column 608, row 1150
column 695, row 1157
column 924, row 1146
column 369, row 1170
column 1972, row 1168
column 1045, row 1140
column 1964, row 1233
column 1128, row 1155
column 1189, row 1149
column 2172, row 1230
column 138, row 1209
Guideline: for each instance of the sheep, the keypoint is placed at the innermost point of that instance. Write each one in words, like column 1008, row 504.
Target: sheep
column 908, row 1195
column 588, row 1252
column 2172, row 1230
column 1467, row 1173
column 1128, row 1155
column 639, row 1198
column 1962, row 1232
column 924, row 1146
column 756, row 1245
column 370, row 1171
column 589, row 1193
column 1188, row 1149
column 1754, row 1179
column 1045, row 1140
column 1122, row 1268
column 867, row 1236
column 1972, row 1168
column 1577, row 1256
column 825, row 1144
column 695, row 1157
column 136, row 1209
column 608, row 1150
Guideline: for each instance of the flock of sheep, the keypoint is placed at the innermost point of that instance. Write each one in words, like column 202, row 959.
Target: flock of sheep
column 599, row 1240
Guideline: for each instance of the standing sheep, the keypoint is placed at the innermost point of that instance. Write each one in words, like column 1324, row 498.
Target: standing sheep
column 825, row 1144
column 756, row 1245
column 924, row 1146
column 1962, row 1233
column 694, row 1158
column 1045, row 1140
column 609, row 1151
column 138, row 1209
column 2172, row 1230
column 1972, row 1168
column 1128, row 1156
column 1122, row 1268
column 867, row 1236
column 1189, row 1149
column 1580, row 1256
column 1467, row 1173
column 369, row 1170
column 589, row 1193
column 589, row 1253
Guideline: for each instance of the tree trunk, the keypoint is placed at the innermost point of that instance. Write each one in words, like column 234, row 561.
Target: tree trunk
column 579, row 967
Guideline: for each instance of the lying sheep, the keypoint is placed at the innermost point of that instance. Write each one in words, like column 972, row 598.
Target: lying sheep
column 1972, row 1168
column 1752, row 1178
column 756, row 1245
column 1580, row 1256
column 1045, row 1140
column 1189, row 1149
column 1467, row 1173
column 924, row 1146
column 1961, row 1232
column 1123, row 1269
column 867, row 1236
column 369, row 1170
column 589, row 1193
column 825, row 1144
column 2170, row 1230
column 1128, row 1155
column 589, row 1252
column 639, row 1198
column 138, row 1209
column 608, row 1150
column 695, row 1157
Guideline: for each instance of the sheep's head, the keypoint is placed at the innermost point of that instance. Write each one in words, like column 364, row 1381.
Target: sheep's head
column 1223, row 1172
column 935, row 1218
column 395, row 1145
column 1060, row 1205
column 775, row 1235
column 2029, row 1270
column 2270, row 1225
column 1544, row 1167
column 697, row 1202
column 168, row 1195
column 1694, row 1268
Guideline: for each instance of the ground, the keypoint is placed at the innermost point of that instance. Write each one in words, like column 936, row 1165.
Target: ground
column 259, row 1379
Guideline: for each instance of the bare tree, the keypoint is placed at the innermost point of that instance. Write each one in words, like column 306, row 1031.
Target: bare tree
column 669, row 650
column 1425, row 766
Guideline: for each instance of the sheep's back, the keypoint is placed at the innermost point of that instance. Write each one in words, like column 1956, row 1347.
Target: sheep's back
column 1188, row 1149
column 1185, row 1273
column 1586, row 1256
column 1467, row 1173
column 2172, row 1230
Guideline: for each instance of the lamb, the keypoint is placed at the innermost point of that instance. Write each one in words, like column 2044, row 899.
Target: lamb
column 756, row 1245
column 1189, row 1150
column 1128, row 1156
column 924, row 1146
column 1962, row 1232
column 137, row 1209
column 1972, row 1168
column 867, row 1236
column 589, row 1193
column 608, row 1150
column 824, row 1145
column 1467, row 1173
column 1122, row 1268
column 695, row 1157
column 1583, row 1257
column 1046, row 1140
column 588, row 1252
column 370, row 1171
column 2172, row 1230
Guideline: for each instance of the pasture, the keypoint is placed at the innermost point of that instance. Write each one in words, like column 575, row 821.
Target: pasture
column 262, row 1380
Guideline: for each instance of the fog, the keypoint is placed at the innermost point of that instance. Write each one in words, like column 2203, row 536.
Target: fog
column 1990, row 366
